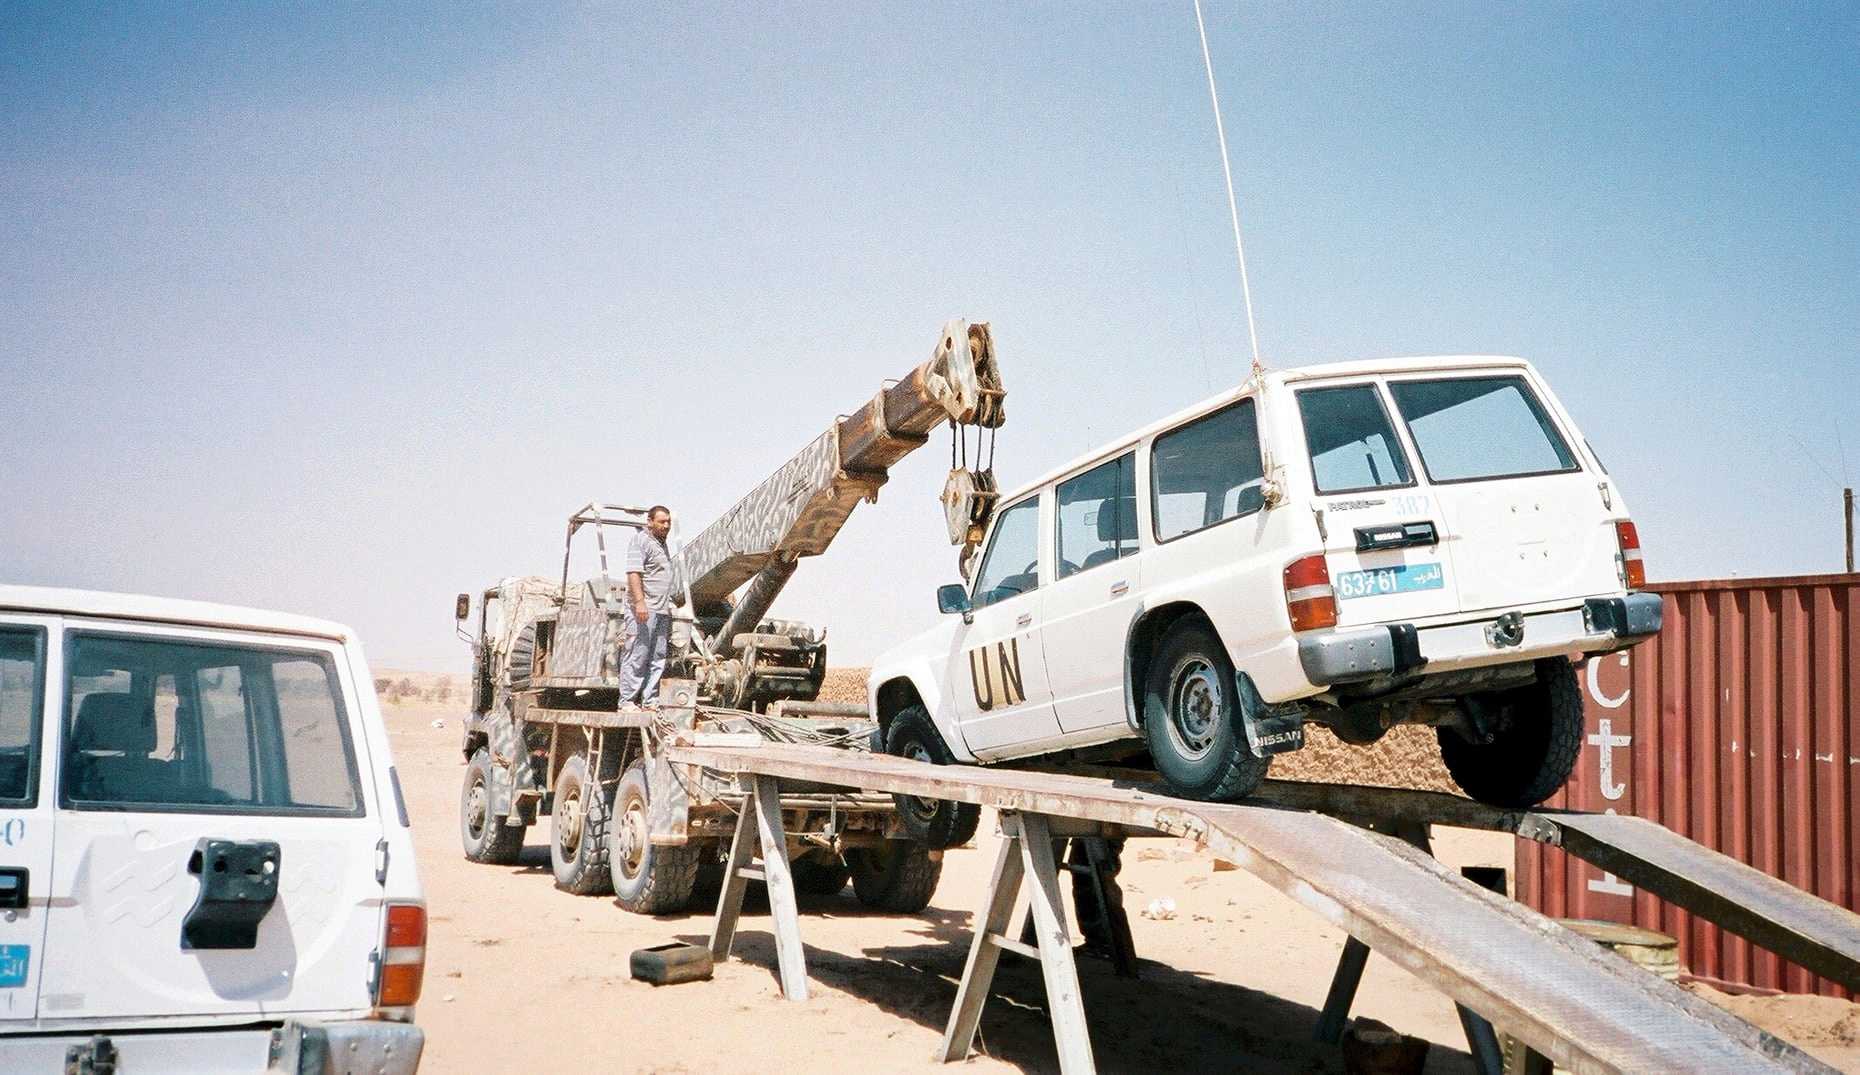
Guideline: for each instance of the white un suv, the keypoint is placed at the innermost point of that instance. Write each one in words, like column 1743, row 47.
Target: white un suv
column 1415, row 541
column 206, row 861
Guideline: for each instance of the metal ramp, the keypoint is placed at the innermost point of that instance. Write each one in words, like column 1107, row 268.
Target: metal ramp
column 1584, row 1008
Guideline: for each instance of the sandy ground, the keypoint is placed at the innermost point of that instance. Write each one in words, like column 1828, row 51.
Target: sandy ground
column 521, row 973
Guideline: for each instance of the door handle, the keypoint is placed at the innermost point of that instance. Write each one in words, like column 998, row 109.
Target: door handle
column 1119, row 589
column 1023, row 619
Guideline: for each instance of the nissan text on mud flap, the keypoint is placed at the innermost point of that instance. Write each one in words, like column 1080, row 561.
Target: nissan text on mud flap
column 207, row 864
column 1415, row 541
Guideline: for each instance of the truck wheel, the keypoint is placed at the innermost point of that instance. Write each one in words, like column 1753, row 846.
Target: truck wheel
column 578, row 832
column 899, row 877
column 934, row 823
column 487, row 839
column 820, row 874
column 1191, row 719
column 1534, row 746
column 646, row 879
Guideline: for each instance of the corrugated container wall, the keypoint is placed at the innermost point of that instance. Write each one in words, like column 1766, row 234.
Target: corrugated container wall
column 1738, row 727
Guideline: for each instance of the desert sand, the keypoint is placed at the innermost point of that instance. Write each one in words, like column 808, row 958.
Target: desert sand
column 519, row 973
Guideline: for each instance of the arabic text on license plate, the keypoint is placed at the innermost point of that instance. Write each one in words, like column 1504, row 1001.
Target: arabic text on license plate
column 1387, row 580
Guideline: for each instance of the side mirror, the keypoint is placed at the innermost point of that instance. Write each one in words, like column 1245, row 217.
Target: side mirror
column 462, row 607
column 951, row 597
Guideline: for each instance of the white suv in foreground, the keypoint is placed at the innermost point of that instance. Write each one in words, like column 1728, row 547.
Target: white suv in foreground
column 1359, row 545
column 206, row 861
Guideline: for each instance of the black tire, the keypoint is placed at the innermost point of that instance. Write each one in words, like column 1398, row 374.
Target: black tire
column 669, row 964
column 578, row 832
column 646, row 879
column 1537, row 735
column 820, row 874
column 1192, row 722
column 486, row 838
column 934, row 823
column 899, row 877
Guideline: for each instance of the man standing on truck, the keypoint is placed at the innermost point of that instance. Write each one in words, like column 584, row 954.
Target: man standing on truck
column 649, row 585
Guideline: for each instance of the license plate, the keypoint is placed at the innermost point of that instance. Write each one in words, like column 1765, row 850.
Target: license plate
column 1387, row 580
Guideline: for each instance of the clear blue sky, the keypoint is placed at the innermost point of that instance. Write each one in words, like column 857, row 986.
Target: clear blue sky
column 343, row 310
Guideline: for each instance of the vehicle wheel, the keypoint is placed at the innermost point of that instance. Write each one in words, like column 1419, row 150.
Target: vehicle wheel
column 934, row 823
column 1536, row 737
column 1191, row 719
column 486, row 838
column 578, row 832
column 899, row 877
column 820, row 874
column 646, row 879
column 708, row 884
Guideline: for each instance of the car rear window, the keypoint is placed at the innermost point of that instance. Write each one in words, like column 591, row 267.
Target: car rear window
column 1477, row 428
column 161, row 724
column 1351, row 440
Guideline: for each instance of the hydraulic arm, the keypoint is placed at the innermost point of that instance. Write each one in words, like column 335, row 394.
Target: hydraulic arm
column 800, row 508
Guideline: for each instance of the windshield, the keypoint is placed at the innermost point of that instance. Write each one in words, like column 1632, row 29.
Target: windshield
column 1474, row 428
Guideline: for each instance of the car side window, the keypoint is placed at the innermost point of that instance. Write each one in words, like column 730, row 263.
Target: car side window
column 1096, row 516
column 1206, row 472
column 159, row 724
column 1011, row 565
column 22, row 699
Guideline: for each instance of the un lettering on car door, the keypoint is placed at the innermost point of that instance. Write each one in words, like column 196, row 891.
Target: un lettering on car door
column 994, row 673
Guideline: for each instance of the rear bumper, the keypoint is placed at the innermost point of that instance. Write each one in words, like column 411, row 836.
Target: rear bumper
column 1601, row 625
column 296, row 1048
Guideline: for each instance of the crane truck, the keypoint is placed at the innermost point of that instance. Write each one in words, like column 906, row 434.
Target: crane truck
column 547, row 736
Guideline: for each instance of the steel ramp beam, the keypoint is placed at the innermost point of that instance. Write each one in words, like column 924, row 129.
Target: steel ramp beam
column 1775, row 915
column 1584, row 1008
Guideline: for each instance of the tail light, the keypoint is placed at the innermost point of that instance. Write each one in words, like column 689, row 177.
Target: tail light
column 1633, row 572
column 1309, row 598
column 403, row 956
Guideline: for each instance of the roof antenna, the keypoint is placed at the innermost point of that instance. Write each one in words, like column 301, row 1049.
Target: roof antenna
column 1220, row 132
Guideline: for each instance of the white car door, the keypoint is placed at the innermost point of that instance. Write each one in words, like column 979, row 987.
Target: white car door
column 1096, row 592
column 26, row 815
column 219, row 853
column 997, row 667
column 1528, row 523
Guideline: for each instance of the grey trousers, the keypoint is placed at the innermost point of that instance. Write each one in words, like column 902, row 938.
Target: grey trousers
column 644, row 660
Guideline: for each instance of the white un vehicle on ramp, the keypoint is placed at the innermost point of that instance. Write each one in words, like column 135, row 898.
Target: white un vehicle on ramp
column 207, row 865
column 1415, row 541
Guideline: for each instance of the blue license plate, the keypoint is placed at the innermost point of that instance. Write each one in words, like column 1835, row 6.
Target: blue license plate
column 15, row 960
column 1387, row 580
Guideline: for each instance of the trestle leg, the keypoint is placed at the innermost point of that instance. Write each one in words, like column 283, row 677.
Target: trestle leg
column 760, row 824
column 1026, row 855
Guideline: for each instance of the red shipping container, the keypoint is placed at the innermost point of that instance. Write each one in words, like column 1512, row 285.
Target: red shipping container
column 1737, row 727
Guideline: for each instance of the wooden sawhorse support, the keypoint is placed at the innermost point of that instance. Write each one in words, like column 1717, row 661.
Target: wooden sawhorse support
column 758, row 827
column 1026, row 855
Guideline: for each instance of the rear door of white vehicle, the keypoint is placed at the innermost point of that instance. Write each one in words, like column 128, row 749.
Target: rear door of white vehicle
column 26, row 814
column 1385, row 533
column 220, row 853
column 1529, row 525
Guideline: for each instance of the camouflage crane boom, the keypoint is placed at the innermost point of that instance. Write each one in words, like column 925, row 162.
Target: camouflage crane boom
column 800, row 508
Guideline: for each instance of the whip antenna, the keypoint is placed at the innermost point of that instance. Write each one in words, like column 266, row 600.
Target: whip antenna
column 1246, row 291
